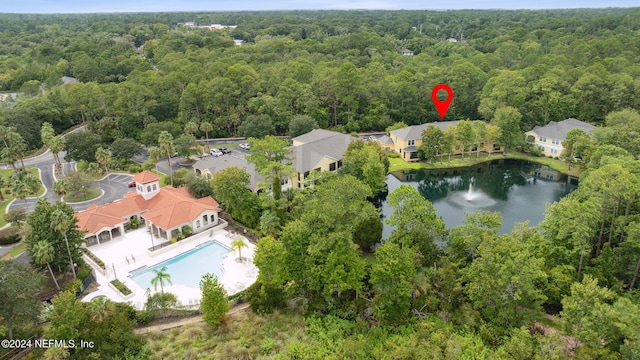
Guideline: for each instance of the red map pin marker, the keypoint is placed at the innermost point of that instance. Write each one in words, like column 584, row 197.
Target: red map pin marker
column 442, row 106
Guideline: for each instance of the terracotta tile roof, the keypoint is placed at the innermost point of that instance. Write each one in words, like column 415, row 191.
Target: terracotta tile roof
column 93, row 219
column 173, row 207
column 169, row 208
column 145, row 177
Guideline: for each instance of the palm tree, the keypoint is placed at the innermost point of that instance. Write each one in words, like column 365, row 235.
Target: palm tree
column 206, row 127
column 61, row 188
column 94, row 170
column 238, row 244
column 191, row 127
column 24, row 184
column 155, row 153
column 56, row 144
column 165, row 140
column 17, row 146
column 161, row 277
column 20, row 190
column 103, row 157
column 62, row 223
column 234, row 120
column 42, row 253
column 100, row 308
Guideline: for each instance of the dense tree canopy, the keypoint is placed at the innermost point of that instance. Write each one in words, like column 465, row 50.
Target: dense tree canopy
column 347, row 70
column 40, row 222
column 437, row 293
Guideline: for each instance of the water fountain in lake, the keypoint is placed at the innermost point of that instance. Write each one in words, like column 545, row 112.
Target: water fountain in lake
column 471, row 198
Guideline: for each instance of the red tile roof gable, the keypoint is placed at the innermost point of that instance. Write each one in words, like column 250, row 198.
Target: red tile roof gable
column 169, row 208
column 93, row 220
column 145, row 177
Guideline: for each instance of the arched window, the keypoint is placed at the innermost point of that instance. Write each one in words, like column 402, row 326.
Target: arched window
column 197, row 223
column 205, row 219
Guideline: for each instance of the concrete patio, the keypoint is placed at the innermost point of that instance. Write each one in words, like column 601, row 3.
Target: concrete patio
column 130, row 251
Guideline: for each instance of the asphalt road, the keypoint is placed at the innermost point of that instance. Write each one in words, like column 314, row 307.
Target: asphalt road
column 114, row 186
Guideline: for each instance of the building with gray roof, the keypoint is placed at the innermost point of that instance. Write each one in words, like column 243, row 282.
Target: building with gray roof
column 406, row 140
column 549, row 138
column 317, row 150
column 212, row 164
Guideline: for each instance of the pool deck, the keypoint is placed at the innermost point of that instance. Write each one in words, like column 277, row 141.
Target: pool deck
column 119, row 254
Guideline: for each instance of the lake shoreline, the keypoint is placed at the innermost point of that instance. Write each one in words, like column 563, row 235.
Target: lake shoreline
column 398, row 164
column 518, row 189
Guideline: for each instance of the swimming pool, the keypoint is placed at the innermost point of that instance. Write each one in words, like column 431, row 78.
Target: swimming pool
column 186, row 269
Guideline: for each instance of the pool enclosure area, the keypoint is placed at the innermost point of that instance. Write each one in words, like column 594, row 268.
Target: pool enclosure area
column 128, row 259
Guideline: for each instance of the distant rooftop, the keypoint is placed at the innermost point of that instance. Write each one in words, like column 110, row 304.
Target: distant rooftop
column 384, row 140
column 558, row 130
column 215, row 164
column 145, row 177
column 313, row 135
column 309, row 149
column 69, row 80
column 414, row 132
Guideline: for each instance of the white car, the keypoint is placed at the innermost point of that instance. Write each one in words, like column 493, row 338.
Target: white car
column 216, row 152
column 244, row 146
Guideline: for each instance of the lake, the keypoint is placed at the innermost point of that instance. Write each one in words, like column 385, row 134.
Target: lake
column 518, row 189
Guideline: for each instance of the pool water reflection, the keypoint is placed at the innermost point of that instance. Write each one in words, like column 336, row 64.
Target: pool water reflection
column 187, row 268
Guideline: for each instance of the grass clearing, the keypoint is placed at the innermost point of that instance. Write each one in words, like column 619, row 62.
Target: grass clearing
column 555, row 164
column 243, row 336
column 89, row 194
column 397, row 164
column 3, row 210
column 15, row 251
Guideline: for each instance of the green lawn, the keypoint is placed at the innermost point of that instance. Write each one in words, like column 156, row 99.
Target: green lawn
column 397, row 164
column 555, row 164
column 89, row 194
column 15, row 251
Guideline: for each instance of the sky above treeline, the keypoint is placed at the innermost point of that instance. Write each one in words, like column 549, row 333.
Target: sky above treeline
column 102, row 6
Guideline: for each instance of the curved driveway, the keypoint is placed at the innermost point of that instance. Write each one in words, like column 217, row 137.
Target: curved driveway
column 114, row 187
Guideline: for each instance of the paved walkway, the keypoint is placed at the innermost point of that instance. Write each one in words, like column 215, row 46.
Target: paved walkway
column 185, row 321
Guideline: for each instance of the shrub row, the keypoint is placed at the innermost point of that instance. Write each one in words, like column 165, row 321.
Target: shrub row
column 94, row 258
column 121, row 287
column 10, row 236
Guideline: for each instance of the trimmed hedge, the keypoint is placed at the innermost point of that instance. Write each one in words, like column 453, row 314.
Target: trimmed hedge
column 121, row 287
column 94, row 258
column 10, row 235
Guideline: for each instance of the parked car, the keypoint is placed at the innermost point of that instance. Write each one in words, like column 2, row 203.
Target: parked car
column 216, row 152
column 225, row 151
column 131, row 184
column 244, row 146
column 372, row 138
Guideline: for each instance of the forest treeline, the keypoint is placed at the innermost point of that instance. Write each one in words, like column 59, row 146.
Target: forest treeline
column 344, row 69
column 428, row 291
